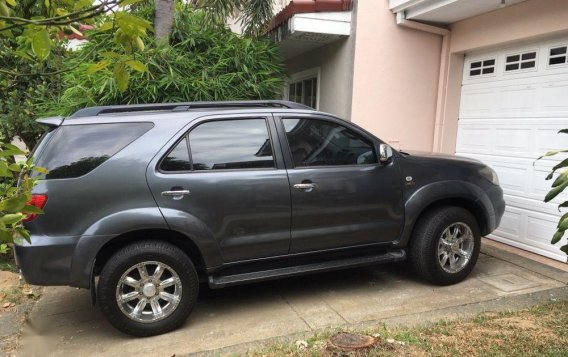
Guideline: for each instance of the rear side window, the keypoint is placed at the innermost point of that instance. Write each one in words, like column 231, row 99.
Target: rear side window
column 75, row 150
column 231, row 144
column 178, row 158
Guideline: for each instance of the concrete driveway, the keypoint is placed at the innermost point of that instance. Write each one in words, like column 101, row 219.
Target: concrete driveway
column 63, row 322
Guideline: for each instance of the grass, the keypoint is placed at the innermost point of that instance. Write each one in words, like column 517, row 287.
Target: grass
column 538, row 331
column 7, row 262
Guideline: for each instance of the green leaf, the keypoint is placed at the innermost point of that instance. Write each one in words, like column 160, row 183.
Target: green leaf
column 562, row 178
column 41, row 170
column 14, row 204
column 556, row 237
column 128, row 2
column 564, row 248
column 136, row 65
column 121, row 76
column 105, row 26
column 4, row 249
column 563, row 223
column 552, row 153
column 29, row 209
column 4, row 170
column 12, row 218
column 98, row 66
column 6, row 236
column 555, row 191
column 563, row 131
column 41, row 44
column 12, row 3
column 24, row 233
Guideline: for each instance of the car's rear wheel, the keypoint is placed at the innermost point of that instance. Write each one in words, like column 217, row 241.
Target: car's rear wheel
column 148, row 288
column 445, row 245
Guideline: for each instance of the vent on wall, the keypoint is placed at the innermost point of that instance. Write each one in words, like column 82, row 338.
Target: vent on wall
column 479, row 68
column 520, row 61
column 558, row 55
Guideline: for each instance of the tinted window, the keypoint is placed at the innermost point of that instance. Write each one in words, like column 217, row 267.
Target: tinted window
column 178, row 158
column 75, row 150
column 231, row 144
column 318, row 143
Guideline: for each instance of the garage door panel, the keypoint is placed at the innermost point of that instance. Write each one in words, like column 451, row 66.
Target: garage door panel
column 507, row 120
column 524, row 179
column 528, row 138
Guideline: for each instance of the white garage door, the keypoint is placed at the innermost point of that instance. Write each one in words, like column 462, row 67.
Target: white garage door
column 513, row 103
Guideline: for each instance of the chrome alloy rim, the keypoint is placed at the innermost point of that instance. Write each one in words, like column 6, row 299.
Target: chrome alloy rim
column 148, row 292
column 455, row 247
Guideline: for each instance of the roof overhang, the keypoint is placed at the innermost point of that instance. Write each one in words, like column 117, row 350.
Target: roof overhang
column 444, row 12
column 305, row 25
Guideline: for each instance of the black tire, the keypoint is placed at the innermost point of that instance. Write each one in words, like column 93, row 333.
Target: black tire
column 136, row 253
column 423, row 249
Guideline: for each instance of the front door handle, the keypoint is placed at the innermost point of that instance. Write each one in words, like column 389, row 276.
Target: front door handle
column 306, row 187
column 176, row 194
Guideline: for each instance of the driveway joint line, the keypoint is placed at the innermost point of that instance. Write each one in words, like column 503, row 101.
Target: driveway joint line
column 296, row 312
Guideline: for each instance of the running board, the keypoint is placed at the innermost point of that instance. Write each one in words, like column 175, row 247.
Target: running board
column 221, row 281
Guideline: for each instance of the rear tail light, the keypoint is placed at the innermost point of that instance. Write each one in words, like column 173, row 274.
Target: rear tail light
column 37, row 201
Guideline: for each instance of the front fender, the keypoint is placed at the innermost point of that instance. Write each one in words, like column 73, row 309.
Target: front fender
column 429, row 194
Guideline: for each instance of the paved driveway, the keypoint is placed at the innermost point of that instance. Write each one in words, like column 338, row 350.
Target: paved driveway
column 63, row 322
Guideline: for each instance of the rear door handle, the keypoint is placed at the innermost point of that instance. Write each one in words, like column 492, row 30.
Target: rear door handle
column 306, row 187
column 176, row 195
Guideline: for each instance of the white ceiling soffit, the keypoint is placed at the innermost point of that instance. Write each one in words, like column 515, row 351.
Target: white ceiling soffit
column 305, row 32
column 446, row 11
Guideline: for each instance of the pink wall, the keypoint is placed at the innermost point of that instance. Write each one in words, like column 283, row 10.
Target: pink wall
column 395, row 78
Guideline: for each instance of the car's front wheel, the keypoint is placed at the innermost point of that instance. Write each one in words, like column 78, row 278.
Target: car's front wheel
column 445, row 245
column 148, row 288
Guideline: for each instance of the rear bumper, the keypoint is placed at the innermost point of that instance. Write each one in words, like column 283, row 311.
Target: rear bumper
column 47, row 261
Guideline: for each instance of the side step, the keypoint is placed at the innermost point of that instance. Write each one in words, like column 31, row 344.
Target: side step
column 221, row 281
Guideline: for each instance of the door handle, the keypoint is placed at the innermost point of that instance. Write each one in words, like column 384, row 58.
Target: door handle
column 176, row 195
column 306, row 187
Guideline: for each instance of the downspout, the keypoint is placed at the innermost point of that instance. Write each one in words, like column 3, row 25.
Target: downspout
column 401, row 20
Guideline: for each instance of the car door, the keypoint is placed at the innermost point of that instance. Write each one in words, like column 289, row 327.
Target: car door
column 341, row 195
column 225, row 174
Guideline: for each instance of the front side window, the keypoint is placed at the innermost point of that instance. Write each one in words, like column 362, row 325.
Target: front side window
column 231, row 144
column 316, row 142
column 74, row 150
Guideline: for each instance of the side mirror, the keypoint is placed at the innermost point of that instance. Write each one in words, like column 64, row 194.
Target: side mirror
column 385, row 153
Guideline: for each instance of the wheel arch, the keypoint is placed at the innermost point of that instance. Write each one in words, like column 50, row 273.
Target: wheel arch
column 447, row 193
column 180, row 240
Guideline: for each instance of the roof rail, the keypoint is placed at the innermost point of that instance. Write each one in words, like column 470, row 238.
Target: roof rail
column 110, row 109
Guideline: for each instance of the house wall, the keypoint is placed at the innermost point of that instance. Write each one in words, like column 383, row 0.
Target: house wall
column 525, row 21
column 335, row 62
column 395, row 78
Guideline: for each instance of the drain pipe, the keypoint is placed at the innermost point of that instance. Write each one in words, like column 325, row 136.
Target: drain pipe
column 401, row 20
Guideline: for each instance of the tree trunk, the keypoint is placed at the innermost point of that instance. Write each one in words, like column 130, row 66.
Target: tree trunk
column 163, row 19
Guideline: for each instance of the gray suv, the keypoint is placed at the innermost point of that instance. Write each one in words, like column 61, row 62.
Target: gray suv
column 155, row 199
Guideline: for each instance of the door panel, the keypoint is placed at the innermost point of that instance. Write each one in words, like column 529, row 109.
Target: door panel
column 350, row 201
column 236, row 188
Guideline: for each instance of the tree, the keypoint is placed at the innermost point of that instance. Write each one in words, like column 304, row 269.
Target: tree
column 202, row 62
column 37, row 25
column 558, row 186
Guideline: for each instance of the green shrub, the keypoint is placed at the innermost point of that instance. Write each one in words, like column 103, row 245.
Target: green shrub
column 202, row 63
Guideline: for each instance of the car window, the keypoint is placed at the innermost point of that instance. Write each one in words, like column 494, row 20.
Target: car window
column 178, row 158
column 75, row 150
column 316, row 142
column 231, row 144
